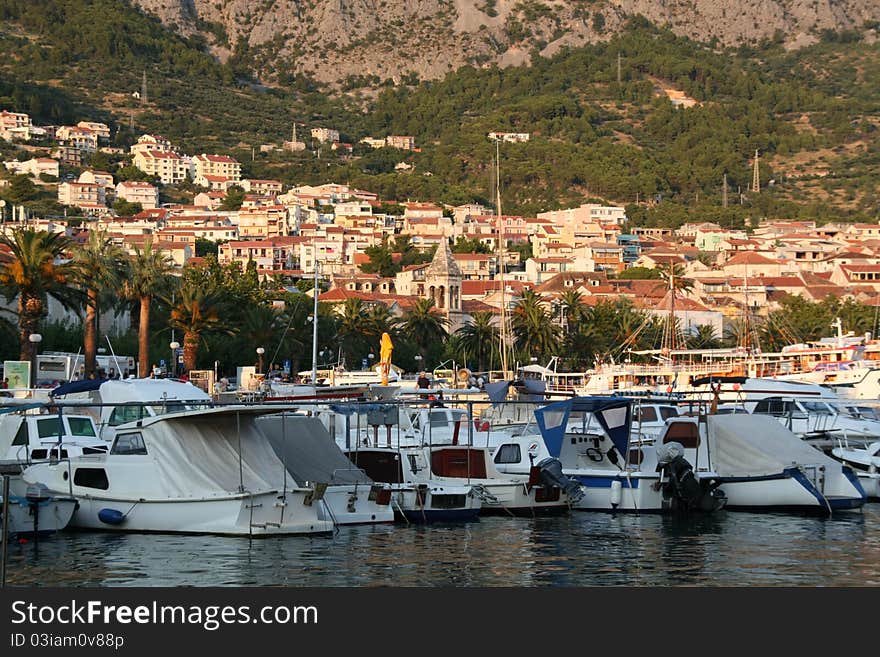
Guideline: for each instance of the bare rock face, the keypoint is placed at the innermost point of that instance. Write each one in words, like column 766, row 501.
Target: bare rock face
column 341, row 41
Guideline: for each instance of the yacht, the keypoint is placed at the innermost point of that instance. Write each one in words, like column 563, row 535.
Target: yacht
column 865, row 461
column 193, row 471
column 311, row 456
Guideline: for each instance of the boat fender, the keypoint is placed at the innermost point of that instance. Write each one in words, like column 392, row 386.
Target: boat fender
column 616, row 493
column 111, row 516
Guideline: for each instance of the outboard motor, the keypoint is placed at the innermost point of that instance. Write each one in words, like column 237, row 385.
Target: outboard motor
column 552, row 475
column 682, row 491
column 36, row 494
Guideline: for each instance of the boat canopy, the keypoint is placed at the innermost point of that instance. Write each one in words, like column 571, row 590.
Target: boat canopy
column 614, row 414
column 86, row 385
column 207, row 453
column 744, row 445
column 308, row 450
column 150, row 390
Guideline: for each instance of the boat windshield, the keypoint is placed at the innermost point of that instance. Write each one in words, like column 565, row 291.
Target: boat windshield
column 177, row 407
column 817, row 408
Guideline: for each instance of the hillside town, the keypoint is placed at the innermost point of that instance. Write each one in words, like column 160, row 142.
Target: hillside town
column 288, row 232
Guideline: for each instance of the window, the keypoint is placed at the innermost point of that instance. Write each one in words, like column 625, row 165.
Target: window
column 48, row 427
column 81, row 426
column 129, row 444
column 647, row 414
column 91, row 478
column 667, row 412
column 123, row 414
column 21, row 436
column 508, row 454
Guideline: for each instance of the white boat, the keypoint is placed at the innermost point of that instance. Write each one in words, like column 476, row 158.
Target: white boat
column 196, row 471
column 442, row 447
column 416, row 497
column 33, row 510
column 38, row 437
column 311, row 456
column 764, row 466
column 592, row 438
column 865, row 462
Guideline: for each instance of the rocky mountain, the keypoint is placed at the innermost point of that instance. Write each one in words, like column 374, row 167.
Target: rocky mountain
column 363, row 42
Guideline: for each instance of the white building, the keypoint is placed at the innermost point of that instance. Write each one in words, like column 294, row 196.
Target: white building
column 138, row 192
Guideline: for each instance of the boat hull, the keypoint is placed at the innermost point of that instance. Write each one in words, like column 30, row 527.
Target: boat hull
column 427, row 504
column 790, row 491
column 260, row 514
column 351, row 505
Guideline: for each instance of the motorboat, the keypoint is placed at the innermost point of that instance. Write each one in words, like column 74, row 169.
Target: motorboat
column 442, row 447
column 192, row 471
column 38, row 437
column 416, row 497
column 33, row 510
column 592, row 439
column 311, row 456
column 764, row 466
column 865, row 461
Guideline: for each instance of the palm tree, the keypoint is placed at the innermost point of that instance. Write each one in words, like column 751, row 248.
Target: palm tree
column 705, row 337
column 103, row 268
column 35, row 273
column 198, row 312
column 533, row 331
column 479, row 337
column 424, row 325
column 263, row 326
column 149, row 276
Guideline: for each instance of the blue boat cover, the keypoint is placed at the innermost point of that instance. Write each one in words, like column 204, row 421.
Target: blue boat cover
column 614, row 415
column 86, row 385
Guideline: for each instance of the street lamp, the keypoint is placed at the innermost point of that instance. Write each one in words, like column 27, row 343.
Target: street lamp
column 325, row 354
column 534, row 359
column 371, row 356
column 260, row 352
column 418, row 359
column 175, row 345
column 35, row 340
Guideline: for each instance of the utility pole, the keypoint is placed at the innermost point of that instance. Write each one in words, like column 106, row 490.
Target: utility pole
column 756, row 175
column 144, row 89
column 724, row 192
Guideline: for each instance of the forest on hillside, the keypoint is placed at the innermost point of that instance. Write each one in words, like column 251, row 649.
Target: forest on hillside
column 811, row 114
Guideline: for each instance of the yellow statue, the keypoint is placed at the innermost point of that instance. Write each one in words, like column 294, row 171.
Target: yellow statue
column 385, row 349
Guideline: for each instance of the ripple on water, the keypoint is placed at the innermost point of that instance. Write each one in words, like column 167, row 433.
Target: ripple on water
column 584, row 549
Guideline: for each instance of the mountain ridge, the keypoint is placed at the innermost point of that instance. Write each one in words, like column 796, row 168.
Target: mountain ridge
column 351, row 41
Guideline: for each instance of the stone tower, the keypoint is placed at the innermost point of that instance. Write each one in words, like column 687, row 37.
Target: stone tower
column 443, row 284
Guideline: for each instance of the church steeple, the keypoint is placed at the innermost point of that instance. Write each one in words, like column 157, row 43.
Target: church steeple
column 443, row 280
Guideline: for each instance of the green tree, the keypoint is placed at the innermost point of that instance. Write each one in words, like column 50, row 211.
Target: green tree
column 234, row 198
column 104, row 266
column 479, row 338
column 198, row 312
column 534, row 332
column 37, row 270
column 424, row 325
column 124, row 208
column 149, row 277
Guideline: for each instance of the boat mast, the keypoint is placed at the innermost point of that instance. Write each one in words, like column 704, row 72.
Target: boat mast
column 502, row 333
column 315, row 324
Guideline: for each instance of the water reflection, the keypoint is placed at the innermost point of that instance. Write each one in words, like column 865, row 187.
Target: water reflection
column 584, row 549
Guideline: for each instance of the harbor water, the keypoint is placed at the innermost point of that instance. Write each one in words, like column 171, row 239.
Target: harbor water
column 583, row 549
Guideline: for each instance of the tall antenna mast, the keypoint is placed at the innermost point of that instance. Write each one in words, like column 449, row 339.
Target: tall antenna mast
column 724, row 192
column 144, row 89
column 756, row 177
column 502, row 334
column 618, row 67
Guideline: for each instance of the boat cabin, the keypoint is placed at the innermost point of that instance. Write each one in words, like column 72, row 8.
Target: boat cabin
column 50, row 436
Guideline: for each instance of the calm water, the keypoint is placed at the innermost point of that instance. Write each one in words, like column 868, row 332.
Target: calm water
column 584, row 549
